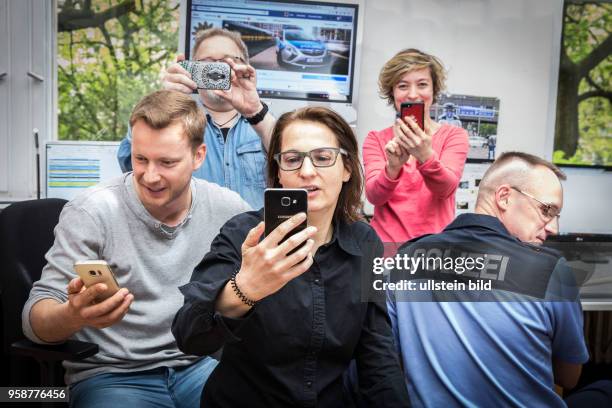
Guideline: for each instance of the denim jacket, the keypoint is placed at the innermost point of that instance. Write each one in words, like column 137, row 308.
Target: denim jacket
column 238, row 163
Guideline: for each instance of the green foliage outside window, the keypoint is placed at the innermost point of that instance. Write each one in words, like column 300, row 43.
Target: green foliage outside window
column 110, row 54
column 583, row 130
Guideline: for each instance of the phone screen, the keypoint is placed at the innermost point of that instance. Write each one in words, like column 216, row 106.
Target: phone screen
column 280, row 204
column 414, row 109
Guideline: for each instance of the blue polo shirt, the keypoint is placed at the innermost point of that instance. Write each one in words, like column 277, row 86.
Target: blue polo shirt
column 485, row 353
column 238, row 162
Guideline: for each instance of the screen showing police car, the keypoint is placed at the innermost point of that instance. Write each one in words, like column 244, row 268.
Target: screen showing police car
column 301, row 50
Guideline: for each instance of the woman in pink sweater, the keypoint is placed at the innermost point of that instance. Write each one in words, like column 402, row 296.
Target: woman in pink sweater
column 411, row 174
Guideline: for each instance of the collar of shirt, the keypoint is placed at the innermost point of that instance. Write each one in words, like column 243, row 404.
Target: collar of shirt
column 494, row 224
column 209, row 119
column 478, row 220
column 345, row 238
column 138, row 208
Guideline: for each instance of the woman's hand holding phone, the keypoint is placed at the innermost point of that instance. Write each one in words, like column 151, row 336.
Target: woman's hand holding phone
column 396, row 158
column 410, row 137
column 266, row 266
column 85, row 312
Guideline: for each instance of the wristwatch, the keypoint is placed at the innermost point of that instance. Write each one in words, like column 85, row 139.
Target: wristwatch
column 258, row 117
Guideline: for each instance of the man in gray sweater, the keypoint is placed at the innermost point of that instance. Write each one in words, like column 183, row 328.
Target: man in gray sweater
column 152, row 226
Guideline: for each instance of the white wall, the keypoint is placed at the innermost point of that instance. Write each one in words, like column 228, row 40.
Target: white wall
column 587, row 205
column 496, row 48
column 507, row 49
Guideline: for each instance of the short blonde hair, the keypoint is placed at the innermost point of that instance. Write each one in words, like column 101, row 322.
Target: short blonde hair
column 406, row 61
column 161, row 109
column 221, row 32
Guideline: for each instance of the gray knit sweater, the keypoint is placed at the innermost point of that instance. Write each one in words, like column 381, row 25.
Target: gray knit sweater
column 150, row 259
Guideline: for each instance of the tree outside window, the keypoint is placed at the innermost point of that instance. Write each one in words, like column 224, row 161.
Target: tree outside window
column 583, row 128
column 110, row 54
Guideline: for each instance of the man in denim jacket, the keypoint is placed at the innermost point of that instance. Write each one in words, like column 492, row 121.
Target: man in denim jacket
column 238, row 122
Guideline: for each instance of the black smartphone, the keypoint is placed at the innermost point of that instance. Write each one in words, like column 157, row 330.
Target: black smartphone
column 414, row 109
column 280, row 204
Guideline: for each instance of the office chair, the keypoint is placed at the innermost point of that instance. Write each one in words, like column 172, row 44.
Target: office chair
column 26, row 234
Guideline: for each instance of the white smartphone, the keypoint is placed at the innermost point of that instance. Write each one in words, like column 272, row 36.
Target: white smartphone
column 97, row 271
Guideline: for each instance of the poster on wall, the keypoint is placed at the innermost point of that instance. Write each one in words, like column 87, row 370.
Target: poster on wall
column 467, row 191
column 583, row 126
column 476, row 114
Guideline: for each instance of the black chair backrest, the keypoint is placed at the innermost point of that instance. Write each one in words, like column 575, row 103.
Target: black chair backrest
column 26, row 233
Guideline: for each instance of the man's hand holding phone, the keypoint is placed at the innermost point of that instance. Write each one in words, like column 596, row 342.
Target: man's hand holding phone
column 177, row 78
column 85, row 312
column 243, row 94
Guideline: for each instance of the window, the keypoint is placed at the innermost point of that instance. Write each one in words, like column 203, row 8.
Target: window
column 583, row 126
column 109, row 55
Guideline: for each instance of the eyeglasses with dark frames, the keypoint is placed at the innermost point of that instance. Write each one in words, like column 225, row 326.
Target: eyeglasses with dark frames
column 234, row 58
column 321, row 157
column 549, row 211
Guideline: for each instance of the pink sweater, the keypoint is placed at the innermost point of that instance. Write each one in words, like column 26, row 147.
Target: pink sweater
column 422, row 199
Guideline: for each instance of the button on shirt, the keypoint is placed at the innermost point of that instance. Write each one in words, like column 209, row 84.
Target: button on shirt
column 292, row 348
column 237, row 162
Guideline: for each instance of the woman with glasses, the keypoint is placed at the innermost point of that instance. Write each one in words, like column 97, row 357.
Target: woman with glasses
column 290, row 322
column 412, row 173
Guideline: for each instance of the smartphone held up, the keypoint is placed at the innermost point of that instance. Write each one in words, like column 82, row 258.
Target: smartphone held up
column 416, row 110
column 280, row 204
column 209, row 75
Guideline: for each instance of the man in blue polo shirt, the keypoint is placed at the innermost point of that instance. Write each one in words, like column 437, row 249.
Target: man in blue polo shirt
column 503, row 353
column 238, row 125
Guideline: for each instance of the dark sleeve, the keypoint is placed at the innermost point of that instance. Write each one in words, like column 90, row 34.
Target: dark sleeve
column 197, row 327
column 381, row 380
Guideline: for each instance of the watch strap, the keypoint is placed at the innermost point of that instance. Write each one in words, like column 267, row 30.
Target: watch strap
column 258, row 117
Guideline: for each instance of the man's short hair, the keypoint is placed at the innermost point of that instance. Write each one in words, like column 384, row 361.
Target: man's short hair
column 513, row 168
column 163, row 108
column 222, row 32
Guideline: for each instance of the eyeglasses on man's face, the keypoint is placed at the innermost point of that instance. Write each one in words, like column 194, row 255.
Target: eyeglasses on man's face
column 549, row 211
column 322, row 157
column 234, row 58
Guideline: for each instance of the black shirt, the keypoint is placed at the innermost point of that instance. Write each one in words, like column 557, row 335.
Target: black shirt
column 292, row 348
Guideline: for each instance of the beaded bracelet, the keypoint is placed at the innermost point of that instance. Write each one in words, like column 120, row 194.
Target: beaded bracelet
column 239, row 293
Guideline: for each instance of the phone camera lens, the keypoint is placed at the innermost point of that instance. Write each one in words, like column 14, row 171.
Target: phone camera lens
column 285, row 201
column 215, row 76
column 92, row 273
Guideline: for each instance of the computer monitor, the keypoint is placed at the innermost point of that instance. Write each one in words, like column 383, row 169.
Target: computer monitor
column 73, row 166
column 301, row 50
